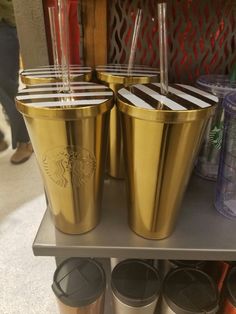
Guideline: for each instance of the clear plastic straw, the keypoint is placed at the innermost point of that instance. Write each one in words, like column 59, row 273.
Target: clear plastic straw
column 162, row 9
column 64, row 44
column 134, row 40
column 52, row 21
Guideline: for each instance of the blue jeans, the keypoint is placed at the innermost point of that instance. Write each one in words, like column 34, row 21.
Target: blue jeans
column 9, row 75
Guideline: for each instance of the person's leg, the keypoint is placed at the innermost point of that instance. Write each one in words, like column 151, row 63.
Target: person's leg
column 18, row 128
column 20, row 137
column 9, row 71
column 3, row 143
column 1, row 135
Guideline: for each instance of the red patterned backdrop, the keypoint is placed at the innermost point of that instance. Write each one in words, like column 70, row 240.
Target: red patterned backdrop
column 74, row 29
column 201, row 35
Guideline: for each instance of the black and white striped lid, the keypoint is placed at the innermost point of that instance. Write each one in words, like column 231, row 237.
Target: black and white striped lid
column 51, row 72
column 180, row 97
column 51, row 96
column 122, row 70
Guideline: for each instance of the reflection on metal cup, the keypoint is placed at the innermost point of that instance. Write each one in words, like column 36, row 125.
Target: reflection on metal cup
column 160, row 148
column 114, row 261
column 69, row 135
column 116, row 76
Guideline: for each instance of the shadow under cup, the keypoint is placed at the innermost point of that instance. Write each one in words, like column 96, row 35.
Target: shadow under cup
column 160, row 147
column 69, row 138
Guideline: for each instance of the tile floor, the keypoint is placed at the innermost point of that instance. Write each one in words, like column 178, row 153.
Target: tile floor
column 25, row 279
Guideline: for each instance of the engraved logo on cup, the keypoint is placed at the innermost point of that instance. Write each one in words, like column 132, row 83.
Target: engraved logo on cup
column 72, row 164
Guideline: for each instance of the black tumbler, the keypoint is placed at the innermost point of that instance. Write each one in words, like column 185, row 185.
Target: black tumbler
column 189, row 291
column 79, row 285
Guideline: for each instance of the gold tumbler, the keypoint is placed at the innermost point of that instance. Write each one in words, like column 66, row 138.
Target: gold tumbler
column 117, row 76
column 53, row 74
column 69, row 135
column 160, row 147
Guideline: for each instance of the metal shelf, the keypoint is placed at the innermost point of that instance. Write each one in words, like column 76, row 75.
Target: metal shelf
column 201, row 232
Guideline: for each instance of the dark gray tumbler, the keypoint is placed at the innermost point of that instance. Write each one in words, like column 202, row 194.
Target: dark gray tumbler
column 79, row 285
column 189, row 291
column 135, row 287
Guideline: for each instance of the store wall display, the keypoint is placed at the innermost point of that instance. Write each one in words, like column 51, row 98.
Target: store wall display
column 202, row 40
column 198, row 36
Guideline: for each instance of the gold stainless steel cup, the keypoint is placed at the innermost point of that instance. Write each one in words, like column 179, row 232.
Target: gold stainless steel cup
column 160, row 147
column 53, row 74
column 116, row 76
column 69, row 136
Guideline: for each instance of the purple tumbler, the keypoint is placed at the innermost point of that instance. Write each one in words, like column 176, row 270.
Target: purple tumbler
column 225, row 200
column 209, row 156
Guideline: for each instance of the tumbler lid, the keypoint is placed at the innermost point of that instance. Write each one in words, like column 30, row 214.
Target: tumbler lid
column 230, row 103
column 188, row 263
column 231, row 286
column 52, row 73
column 217, row 84
column 48, row 100
column 190, row 291
column 121, row 74
column 183, row 102
column 78, row 281
column 135, row 283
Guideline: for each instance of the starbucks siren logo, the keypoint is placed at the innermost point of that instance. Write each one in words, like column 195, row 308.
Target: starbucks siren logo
column 69, row 164
column 216, row 136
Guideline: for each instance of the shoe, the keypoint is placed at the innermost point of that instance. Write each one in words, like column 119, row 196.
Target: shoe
column 22, row 153
column 3, row 145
